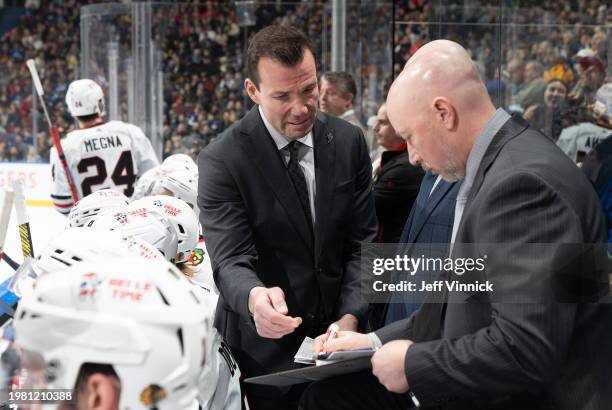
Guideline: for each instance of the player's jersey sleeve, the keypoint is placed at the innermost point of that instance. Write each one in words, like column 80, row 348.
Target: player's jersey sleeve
column 60, row 190
column 144, row 155
column 219, row 382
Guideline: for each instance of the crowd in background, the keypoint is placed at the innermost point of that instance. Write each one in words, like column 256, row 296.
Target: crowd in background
column 203, row 47
column 545, row 61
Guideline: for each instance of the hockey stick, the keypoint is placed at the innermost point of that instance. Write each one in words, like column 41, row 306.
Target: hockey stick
column 7, row 305
column 6, row 206
column 10, row 261
column 54, row 133
column 22, row 221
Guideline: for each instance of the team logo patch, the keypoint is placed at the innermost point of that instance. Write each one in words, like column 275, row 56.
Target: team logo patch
column 196, row 257
column 89, row 284
column 120, row 217
column 152, row 395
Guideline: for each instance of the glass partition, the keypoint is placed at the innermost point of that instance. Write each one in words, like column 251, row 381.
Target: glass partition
column 177, row 69
column 543, row 60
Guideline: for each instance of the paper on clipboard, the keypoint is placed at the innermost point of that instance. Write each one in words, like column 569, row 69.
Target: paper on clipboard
column 312, row 373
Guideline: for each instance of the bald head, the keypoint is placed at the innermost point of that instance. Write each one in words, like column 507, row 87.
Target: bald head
column 439, row 68
column 439, row 99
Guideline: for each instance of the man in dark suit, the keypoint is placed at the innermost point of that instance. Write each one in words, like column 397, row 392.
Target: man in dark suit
column 427, row 232
column 517, row 189
column 396, row 181
column 286, row 200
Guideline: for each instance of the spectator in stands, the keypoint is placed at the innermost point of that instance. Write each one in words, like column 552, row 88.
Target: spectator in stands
column 577, row 141
column 516, row 76
column 592, row 76
column 337, row 96
column 534, row 85
column 396, row 181
column 547, row 116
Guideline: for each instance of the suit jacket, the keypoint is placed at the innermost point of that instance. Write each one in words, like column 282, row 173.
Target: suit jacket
column 495, row 355
column 257, row 234
column 396, row 185
column 352, row 118
column 428, row 231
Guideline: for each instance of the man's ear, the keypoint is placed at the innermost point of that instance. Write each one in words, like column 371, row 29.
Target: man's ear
column 251, row 90
column 445, row 113
column 351, row 101
column 102, row 392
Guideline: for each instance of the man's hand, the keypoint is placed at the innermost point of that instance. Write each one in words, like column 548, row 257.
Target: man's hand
column 270, row 311
column 348, row 322
column 344, row 340
column 388, row 365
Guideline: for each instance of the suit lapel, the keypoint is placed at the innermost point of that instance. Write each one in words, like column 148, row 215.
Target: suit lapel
column 431, row 202
column 261, row 149
column 325, row 157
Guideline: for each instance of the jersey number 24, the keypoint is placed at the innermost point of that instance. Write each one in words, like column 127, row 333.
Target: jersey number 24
column 123, row 174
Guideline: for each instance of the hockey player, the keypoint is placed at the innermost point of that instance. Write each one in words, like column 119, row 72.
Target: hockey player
column 183, row 184
column 99, row 154
column 151, row 226
column 218, row 386
column 93, row 204
column 180, row 216
column 149, row 183
column 126, row 334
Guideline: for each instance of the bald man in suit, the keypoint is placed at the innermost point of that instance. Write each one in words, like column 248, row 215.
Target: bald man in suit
column 517, row 189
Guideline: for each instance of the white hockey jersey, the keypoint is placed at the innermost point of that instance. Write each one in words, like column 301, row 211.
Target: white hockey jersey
column 108, row 155
column 219, row 381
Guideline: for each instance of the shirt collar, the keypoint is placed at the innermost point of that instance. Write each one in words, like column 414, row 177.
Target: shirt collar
column 346, row 114
column 491, row 128
column 279, row 139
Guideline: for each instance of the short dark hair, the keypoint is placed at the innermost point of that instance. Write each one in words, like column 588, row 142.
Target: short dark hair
column 283, row 44
column 86, row 370
column 343, row 80
column 89, row 117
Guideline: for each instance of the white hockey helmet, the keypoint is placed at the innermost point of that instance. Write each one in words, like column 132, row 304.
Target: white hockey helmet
column 181, row 162
column 93, row 204
column 85, row 97
column 182, row 218
column 140, row 317
column 151, row 226
column 77, row 245
column 182, row 185
column 149, row 183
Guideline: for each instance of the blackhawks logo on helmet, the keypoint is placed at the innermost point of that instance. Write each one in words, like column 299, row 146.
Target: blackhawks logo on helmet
column 152, row 395
column 197, row 257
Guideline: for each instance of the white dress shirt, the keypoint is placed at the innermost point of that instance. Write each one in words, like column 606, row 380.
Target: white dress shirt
column 306, row 158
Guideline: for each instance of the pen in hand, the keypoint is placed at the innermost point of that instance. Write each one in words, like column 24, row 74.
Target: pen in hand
column 331, row 333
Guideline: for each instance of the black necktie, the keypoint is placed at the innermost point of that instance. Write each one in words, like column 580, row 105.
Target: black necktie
column 298, row 179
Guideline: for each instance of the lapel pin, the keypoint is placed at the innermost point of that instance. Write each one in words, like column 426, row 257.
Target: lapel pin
column 329, row 137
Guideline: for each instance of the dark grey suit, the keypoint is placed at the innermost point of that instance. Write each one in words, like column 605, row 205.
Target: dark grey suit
column 493, row 355
column 257, row 234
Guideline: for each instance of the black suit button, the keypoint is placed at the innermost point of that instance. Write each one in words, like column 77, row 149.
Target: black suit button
column 310, row 316
column 319, row 271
